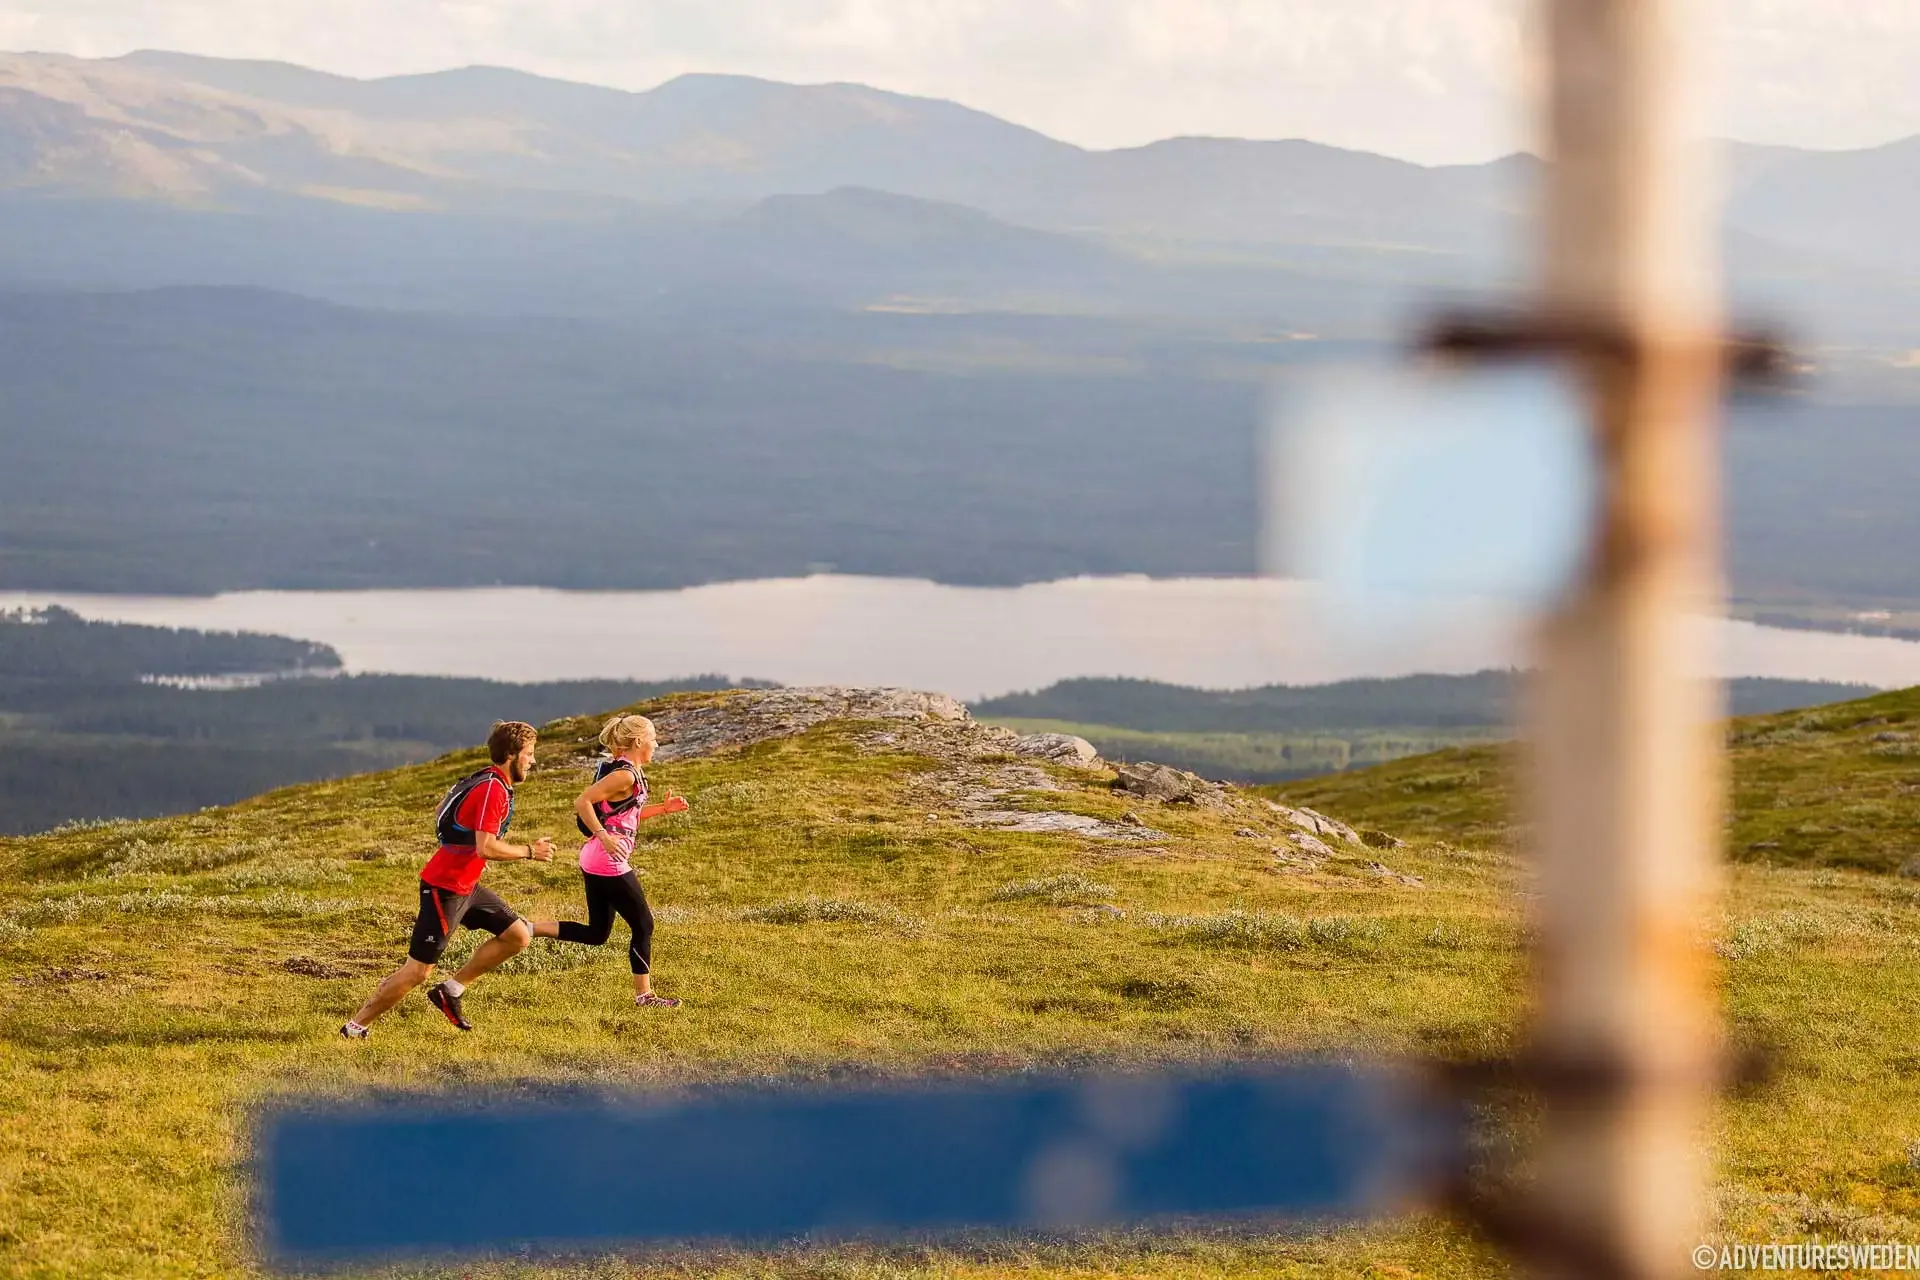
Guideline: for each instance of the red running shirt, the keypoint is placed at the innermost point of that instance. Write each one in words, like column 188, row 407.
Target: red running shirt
column 457, row 868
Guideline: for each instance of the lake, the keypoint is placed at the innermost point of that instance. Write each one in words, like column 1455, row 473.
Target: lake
column 971, row 642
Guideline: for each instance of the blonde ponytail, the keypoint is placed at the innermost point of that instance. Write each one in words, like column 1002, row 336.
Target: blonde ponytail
column 623, row 733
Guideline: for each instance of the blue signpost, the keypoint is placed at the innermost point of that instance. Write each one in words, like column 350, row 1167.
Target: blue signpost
column 761, row 1166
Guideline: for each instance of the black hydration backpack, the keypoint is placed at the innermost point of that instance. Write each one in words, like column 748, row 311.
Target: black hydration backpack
column 608, row 809
column 450, row 830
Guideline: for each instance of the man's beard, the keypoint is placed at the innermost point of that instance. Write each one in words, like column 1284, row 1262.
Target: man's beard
column 516, row 771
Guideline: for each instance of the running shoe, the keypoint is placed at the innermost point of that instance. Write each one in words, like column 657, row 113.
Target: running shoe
column 652, row 1001
column 348, row 1033
column 448, row 1003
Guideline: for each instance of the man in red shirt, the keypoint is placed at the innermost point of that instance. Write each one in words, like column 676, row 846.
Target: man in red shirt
column 472, row 825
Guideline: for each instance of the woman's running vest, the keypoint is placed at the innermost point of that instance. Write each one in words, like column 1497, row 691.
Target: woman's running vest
column 608, row 808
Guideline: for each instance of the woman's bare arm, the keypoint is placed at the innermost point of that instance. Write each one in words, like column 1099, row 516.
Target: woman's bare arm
column 617, row 785
column 672, row 804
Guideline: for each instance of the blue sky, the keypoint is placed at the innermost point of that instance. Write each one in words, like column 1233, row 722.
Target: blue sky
column 1434, row 80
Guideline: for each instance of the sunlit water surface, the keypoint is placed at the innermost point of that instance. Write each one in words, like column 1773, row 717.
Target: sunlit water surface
column 968, row 641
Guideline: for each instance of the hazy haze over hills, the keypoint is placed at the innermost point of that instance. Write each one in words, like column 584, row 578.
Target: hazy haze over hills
column 1436, row 80
column 283, row 142
column 199, row 132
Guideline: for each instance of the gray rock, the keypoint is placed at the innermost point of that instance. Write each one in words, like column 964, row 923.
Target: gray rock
column 1317, row 823
column 1247, row 833
column 1381, row 840
column 1053, row 823
column 1910, row 869
column 731, row 721
column 1168, row 785
column 1060, row 748
column 1313, row 845
column 1386, row 872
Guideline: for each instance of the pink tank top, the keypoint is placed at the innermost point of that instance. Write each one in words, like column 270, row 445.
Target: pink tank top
column 597, row 860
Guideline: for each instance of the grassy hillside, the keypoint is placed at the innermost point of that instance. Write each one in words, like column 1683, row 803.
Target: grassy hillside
column 848, row 900
column 1829, row 787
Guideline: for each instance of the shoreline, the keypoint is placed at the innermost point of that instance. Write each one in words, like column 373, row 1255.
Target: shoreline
column 967, row 641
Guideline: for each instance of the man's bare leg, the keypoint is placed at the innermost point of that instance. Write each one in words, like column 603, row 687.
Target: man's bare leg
column 392, row 991
column 489, row 955
column 495, row 952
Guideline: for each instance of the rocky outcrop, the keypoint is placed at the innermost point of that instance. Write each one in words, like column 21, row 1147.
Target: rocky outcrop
column 1312, row 846
column 1309, row 846
column 987, row 793
column 1060, row 748
column 983, row 776
column 740, row 719
column 975, row 775
column 1168, row 785
column 1078, row 824
column 1317, row 824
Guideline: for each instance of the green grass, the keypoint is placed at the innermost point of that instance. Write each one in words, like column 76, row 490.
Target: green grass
column 165, row 975
column 1833, row 786
column 1460, row 795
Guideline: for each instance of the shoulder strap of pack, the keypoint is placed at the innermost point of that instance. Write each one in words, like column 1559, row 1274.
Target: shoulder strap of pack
column 450, row 807
column 608, row 766
column 611, row 807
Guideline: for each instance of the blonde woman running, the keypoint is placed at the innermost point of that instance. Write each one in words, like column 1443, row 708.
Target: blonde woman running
column 608, row 811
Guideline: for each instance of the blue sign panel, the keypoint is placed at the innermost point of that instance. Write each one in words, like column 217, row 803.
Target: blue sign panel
column 445, row 1177
column 1479, row 484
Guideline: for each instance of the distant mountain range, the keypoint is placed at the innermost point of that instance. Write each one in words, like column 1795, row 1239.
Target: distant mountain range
column 161, row 168
column 815, row 325
column 209, row 133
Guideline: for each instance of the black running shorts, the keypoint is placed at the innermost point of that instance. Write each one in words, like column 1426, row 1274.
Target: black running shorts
column 442, row 911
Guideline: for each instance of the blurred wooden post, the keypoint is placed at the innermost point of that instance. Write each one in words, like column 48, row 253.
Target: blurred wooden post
column 1624, row 767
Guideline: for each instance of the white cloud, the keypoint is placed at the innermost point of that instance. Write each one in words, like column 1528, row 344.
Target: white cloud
column 1435, row 79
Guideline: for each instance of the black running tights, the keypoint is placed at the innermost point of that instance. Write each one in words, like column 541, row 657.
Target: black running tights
column 608, row 896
